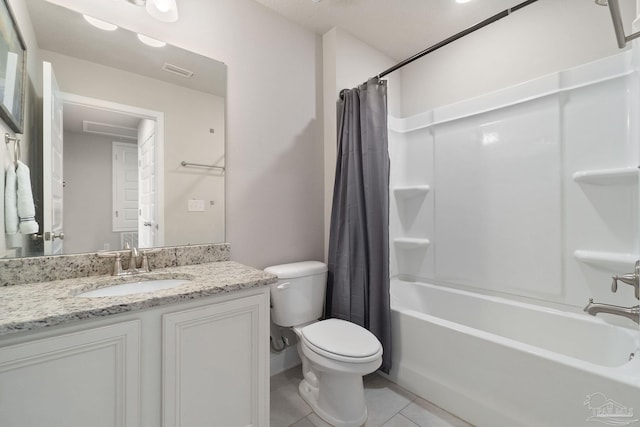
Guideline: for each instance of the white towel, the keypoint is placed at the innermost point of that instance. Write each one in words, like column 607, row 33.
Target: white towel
column 10, row 201
column 26, row 208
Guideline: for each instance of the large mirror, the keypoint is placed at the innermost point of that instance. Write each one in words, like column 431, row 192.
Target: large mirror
column 140, row 158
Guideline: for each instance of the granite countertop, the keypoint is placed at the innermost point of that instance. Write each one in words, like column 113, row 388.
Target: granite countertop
column 37, row 305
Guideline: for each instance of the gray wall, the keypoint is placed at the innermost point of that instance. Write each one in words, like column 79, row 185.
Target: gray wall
column 88, row 193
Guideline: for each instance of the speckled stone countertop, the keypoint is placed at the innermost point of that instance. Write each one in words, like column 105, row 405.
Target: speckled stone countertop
column 37, row 305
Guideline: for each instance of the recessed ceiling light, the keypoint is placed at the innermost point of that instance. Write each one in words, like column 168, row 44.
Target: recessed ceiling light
column 163, row 10
column 99, row 23
column 462, row 1
column 150, row 41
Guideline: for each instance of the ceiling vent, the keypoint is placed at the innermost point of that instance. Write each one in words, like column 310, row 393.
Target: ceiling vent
column 182, row 72
column 111, row 130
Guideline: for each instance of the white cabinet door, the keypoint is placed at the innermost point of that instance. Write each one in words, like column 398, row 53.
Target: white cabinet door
column 80, row 379
column 215, row 370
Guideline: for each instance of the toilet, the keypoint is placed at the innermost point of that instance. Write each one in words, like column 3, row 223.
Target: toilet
column 335, row 353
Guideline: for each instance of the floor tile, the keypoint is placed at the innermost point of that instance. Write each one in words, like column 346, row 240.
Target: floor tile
column 316, row 421
column 287, row 407
column 384, row 400
column 302, row 423
column 426, row 414
column 389, row 405
column 399, row 421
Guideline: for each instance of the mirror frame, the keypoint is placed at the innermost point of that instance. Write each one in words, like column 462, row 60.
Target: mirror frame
column 13, row 114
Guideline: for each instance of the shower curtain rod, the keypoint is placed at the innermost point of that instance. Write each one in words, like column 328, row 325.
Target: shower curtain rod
column 457, row 36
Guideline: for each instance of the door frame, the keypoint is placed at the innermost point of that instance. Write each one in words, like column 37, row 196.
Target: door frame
column 157, row 116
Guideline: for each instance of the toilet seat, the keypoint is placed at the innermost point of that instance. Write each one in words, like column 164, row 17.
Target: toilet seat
column 341, row 341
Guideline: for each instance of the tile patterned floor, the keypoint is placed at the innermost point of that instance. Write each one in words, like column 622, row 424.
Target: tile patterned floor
column 389, row 405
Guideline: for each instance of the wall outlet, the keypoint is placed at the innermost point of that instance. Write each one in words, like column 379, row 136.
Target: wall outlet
column 194, row 205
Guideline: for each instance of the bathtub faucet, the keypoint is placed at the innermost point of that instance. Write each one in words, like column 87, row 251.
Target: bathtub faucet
column 632, row 279
column 632, row 313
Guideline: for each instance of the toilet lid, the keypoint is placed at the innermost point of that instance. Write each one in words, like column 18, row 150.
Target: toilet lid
column 341, row 338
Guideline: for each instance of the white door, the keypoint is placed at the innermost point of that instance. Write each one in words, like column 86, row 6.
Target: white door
column 52, row 139
column 125, row 187
column 148, row 224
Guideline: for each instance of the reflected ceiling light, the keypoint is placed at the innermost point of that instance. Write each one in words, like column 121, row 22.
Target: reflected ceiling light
column 162, row 10
column 151, row 41
column 99, row 23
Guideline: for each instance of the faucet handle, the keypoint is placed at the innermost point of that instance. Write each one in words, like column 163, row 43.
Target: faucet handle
column 632, row 279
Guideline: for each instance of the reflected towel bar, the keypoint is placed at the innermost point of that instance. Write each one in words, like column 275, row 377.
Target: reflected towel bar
column 199, row 165
column 17, row 150
column 614, row 8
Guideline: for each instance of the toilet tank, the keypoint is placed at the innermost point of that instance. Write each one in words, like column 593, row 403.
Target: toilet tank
column 298, row 296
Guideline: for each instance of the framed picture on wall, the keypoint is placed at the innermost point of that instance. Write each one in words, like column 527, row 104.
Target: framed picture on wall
column 13, row 55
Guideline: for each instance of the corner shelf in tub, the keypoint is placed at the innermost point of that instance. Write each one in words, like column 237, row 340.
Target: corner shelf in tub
column 411, row 243
column 617, row 176
column 613, row 261
column 411, row 191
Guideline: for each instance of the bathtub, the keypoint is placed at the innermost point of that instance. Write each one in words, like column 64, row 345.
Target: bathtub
column 496, row 362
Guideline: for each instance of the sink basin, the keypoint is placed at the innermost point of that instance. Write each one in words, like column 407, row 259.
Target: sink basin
column 139, row 287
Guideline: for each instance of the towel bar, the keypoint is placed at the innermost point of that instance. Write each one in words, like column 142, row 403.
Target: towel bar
column 200, row 165
column 17, row 152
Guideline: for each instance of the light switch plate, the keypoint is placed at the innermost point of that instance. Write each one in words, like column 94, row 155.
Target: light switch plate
column 194, row 205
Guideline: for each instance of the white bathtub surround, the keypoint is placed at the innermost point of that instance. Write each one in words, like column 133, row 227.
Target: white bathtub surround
column 522, row 188
column 532, row 206
column 497, row 362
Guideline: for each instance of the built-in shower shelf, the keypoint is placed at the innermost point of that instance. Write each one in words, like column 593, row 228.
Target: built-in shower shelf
column 411, row 243
column 613, row 261
column 411, row 191
column 618, row 176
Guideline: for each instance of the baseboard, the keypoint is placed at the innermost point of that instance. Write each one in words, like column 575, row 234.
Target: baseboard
column 287, row 359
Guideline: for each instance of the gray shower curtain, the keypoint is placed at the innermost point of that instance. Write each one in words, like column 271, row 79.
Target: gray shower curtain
column 358, row 283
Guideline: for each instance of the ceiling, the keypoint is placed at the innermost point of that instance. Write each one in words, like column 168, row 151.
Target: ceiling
column 397, row 28
column 64, row 31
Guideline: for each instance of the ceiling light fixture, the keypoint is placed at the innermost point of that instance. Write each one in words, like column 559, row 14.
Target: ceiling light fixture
column 462, row 1
column 99, row 23
column 162, row 10
column 151, row 41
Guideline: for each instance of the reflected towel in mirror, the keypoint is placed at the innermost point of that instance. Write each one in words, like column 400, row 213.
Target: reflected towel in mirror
column 10, row 201
column 26, row 207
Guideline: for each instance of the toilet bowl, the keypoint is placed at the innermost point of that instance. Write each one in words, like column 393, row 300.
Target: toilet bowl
column 335, row 353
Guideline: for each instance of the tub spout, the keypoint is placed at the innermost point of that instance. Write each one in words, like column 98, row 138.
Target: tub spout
column 632, row 313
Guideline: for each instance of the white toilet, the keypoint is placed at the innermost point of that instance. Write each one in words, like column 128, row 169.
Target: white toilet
column 335, row 353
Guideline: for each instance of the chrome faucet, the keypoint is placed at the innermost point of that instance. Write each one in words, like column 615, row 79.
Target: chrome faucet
column 632, row 313
column 133, row 258
column 138, row 260
column 632, row 279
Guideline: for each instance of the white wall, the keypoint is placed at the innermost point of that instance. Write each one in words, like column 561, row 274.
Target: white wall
column 87, row 193
column 274, row 178
column 544, row 37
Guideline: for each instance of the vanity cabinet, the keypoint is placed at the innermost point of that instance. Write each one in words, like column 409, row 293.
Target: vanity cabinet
column 198, row 363
column 83, row 378
column 213, row 365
